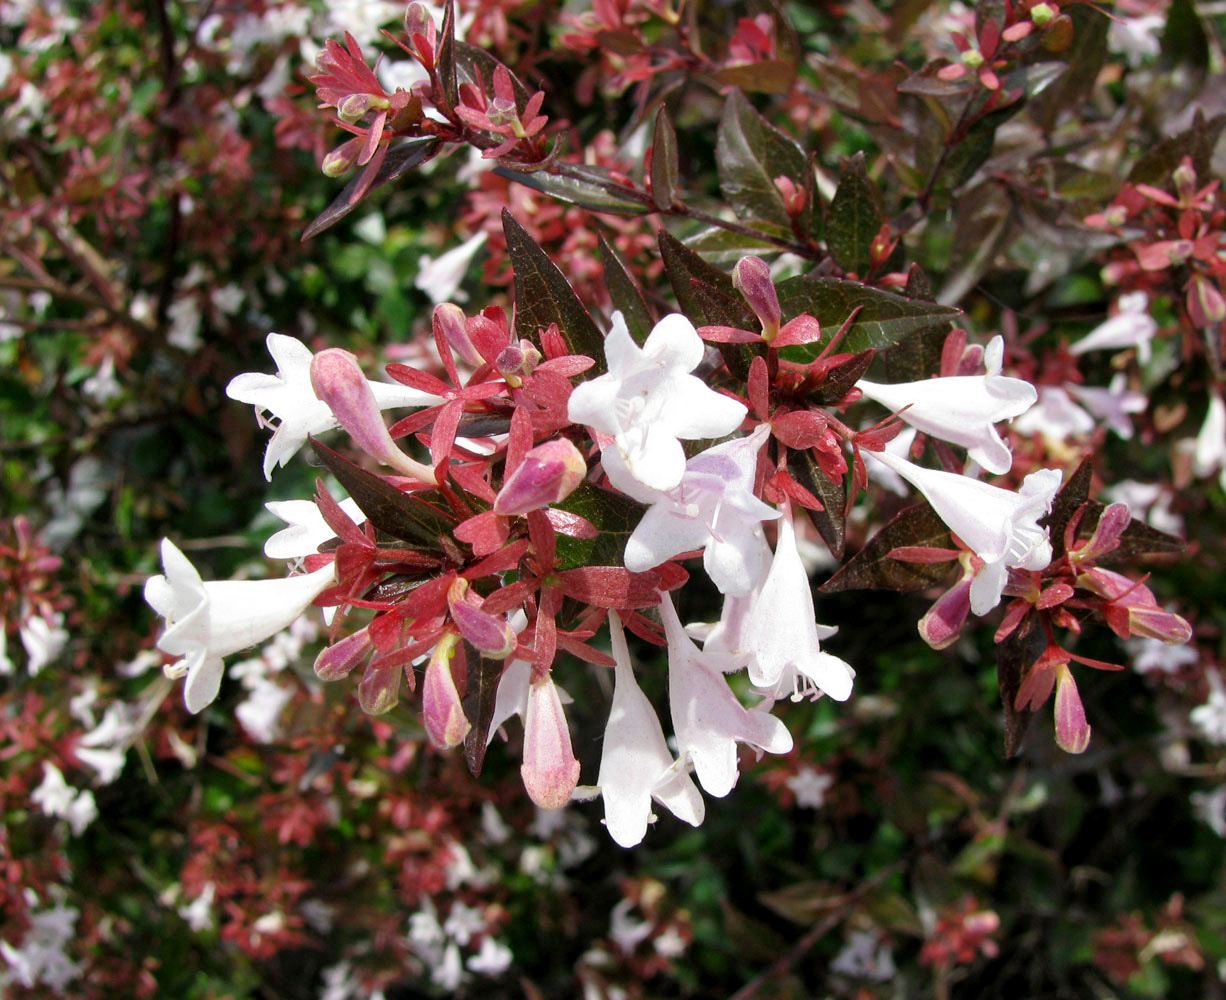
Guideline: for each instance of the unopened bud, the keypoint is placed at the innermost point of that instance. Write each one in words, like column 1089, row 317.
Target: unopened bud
column 1106, row 538
column 380, row 687
column 1042, row 14
column 1184, row 177
column 516, row 361
column 752, row 278
column 1072, row 730
column 339, row 381
column 549, row 473
column 491, row 635
column 341, row 160
column 942, row 625
column 442, row 713
column 972, row 58
column 417, row 20
column 352, row 108
column 339, row 659
column 794, row 198
column 1059, row 34
column 1205, row 303
column 549, row 770
column 450, row 322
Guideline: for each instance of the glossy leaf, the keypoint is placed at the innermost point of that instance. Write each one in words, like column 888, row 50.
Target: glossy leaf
column 614, row 516
column 665, row 167
column 478, row 706
column 885, row 318
column 855, row 216
column 873, row 567
column 831, row 523
column 445, row 61
column 1084, row 59
column 1014, row 656
column 749, row 154
column 544, row 296
column 590, row 194
column 405, row 516
column 728, row 247
column 400, row 159
column 625, row 293
column 843, row 376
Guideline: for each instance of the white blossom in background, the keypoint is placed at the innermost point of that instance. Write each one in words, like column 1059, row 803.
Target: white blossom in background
column 440, row 277
column 1131, row 326
column 1055, row 416
column 57, row 798
column 41, row 959
column 1210, row 718
column 260, row 712
column 199, row 912
column 810, row 786
column 865, row 956
column 1210, row 807
column 1210, row 453
column 102, row 386
column 184, row 315
column 1113, row 405
column 44, row 639
column 105, row 746
column 1136, row 38
column 624, row 931
column 1156, row 656
column 493, row 958
column 1150, row 502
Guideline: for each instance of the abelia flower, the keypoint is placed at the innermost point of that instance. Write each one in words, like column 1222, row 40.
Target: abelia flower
column 1131, row 609
column 708, row 719
column 782, row 636
column 440, row 277
column 288, row 396
column 648, row 400
column 208, row 621
column 548, row 474
column 962, row 409
column 307, row 530
column 550, row 770
column 1055, row 416
column 1131, row 326
column 1001, row 527
column 636, row 765
column 1113, row 404
column 713, row 508
column 1209, row 455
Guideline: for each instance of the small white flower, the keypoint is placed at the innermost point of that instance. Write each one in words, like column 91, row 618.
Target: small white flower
column 1055, row 416
column 41, row 958
column 199, row 912
column 1131, row 326
column 962, row 409
column 288, row 396
column 207, row 621
column 810, row 786
column 865, row 956
column 1210, row 718
column 648, row 400
column 307, row 529
column 1113, row 404
column 1210, row 807
column 260, row 712
column 1156, row 656
column 1210, row 453
column 493, row 958
column 440, row 277
column 58, row 798
column 43, row 640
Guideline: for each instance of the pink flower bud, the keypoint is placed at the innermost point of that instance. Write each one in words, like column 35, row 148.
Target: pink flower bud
column 550, row 472
column 942, row 625
column 1206, row 305
column 338, row 381
column 417, row 20
column 1131, row 609
column 450, row 321
column 380, row 687
column 1072, row 730
column 1106, row 538
column 342, row 159
column 516, row 361
column 444, row 718
column 352, row 108
column 1184, row 177
column 752, row 278
column 549, row 770
column 339, row 659
column 491, row 635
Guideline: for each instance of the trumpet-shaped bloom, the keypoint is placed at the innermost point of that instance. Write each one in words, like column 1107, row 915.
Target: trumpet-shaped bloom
column 288, row 396
column 1210, row 453
column 708, row 719
column 962, row 409
column 636, row 765
column 648, row 400
column 307, row 530
column 713, row 509
column 207, row 621
column 1000, row 526
column 550, row 771
column 1132, row 326
column 782, row 637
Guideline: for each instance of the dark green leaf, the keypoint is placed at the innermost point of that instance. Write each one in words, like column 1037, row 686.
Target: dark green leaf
column 855, row 216
column 400, row 159
column 831, row 523
column 1156, row 165
column 749, row 154
column 884, row 319
column 478, row 705
column 843, row 376
column 665, row 169
column 476, row 66
column 1084, row 58
column 625, row 294
column 1014, row 657
column 872, row 568
column 405, row 516
column 918, row 285
column 445, row 61
column 1184, row 41
column 1072, row 495
column 615, row 516
column 683, row 266
column 544, row 296
column 917, row 357
column 592, row 194
column 722, row 245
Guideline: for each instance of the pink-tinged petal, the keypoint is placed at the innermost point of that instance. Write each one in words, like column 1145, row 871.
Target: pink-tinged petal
column 442, row 713
column 549, row 771
column 942, row 625
column 1072, row 730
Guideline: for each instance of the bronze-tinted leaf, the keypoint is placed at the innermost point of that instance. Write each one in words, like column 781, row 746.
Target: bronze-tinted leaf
column 1014, row 657
column 1084, row 58
column 1074, row 493
column 625, row 293
column 592, row 192
column 614, row 516
column 478, row 705
column 749, row 154
column 873, row 568
column 665, row 167
column 831, row 523
column 854, row 218
column 843, row 376
column 544, row 296
column 445, row 62
column 406, row 516
column 1156, row 165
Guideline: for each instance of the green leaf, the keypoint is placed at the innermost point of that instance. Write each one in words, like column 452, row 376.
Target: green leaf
column 724, row 246
column 883, row 321
column 1084, row 59
column 400, row 159
column 614, row 516
column 406, row 516
column 1014, row 657
column 854, row 218
column 831, row 523
column 872, row 568
column 749, row 154
column 478, row 705
column 1184, row 41
column 665, row 168
column 544, row 296
column 1157, row 164
column 769, row 76
column 592, row 194
column 625, row 293
column 445, row 62
column 917, row 357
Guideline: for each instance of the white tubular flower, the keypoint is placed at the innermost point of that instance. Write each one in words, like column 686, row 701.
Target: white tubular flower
column 207, row 621
column 1210, row 453
column 307, row 529
column 440, row 277
column 999, row 526
column 648, row 400
column 1113, row 404
column 781, row 636
column 288, row 396
column 1056, row 417
column 962, row 409
column 713, row 509
column 636, row 765
column 708, row 719
column 1131, row 326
